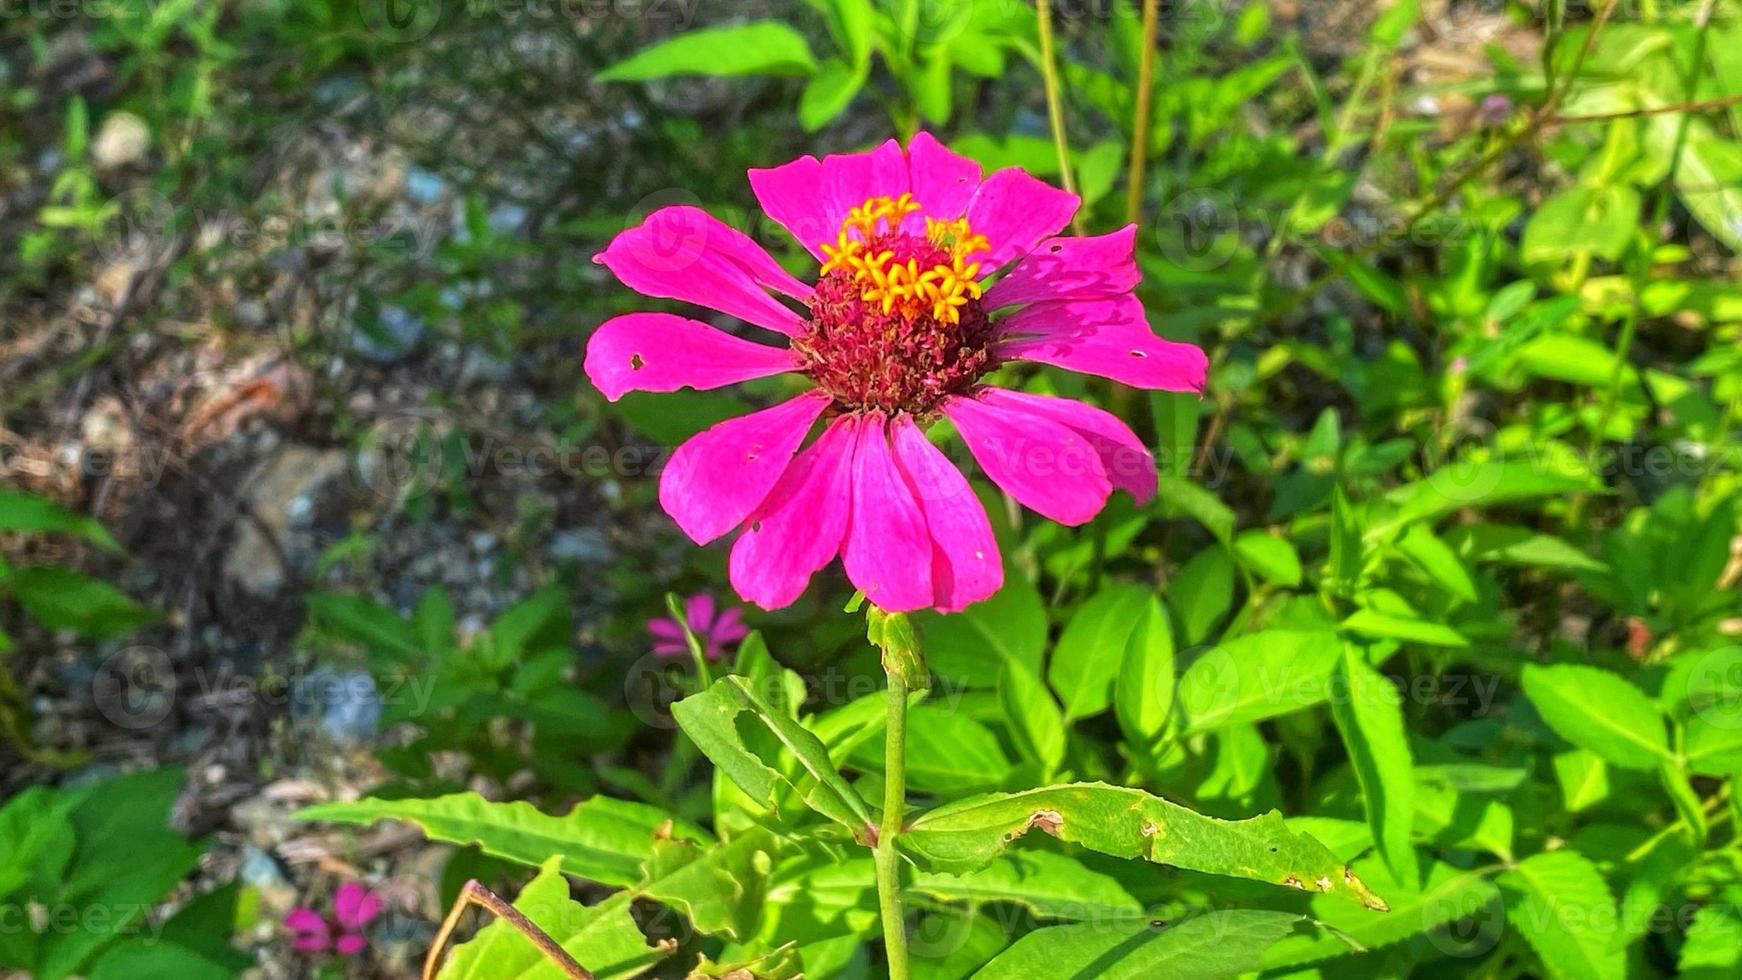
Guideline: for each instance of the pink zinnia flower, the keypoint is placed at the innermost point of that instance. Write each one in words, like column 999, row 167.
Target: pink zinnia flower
column 901, row 328
column 354, row 907
column 714, row 632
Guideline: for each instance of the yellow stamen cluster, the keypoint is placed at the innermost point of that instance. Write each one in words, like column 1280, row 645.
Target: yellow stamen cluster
column 940, row 290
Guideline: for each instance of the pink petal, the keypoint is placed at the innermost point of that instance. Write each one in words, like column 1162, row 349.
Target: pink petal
column 305, row 920
column 351, row 944
column 799, row 528
column 1047, row 467
column 888, row 552
column 943, row 182
column 1071, row 268
column 309, row 943
column 665, row 629
column 354, row 906
column 663, row 352
column 1106, row 337
column 699, row 613
column 1015, row 211
column 730, row 628
column 671, row 648
column 715, row 480
column 965, row 566
column 810, row 198
column 684, row 253
column 1124, row 458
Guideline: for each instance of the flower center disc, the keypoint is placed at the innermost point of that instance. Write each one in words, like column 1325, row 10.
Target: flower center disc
column 896, row 319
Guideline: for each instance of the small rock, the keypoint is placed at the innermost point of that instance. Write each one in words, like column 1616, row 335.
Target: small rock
column 392, row 335
column 123, row 139
column 261, row 871
column 284, row 494
column 345, row 705
column 586, row 545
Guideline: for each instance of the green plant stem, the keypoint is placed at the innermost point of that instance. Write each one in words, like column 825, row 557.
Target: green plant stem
column 1140, row 116
column 894, row 811
column 1055, row 111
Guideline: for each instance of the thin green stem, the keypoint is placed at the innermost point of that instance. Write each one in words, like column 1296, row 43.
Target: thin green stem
column 1140, row 117
column 894, row 812
column 1055, row 110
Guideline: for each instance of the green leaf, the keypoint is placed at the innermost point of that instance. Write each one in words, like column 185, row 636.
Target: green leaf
column 829, row 92
column 194, row 944
column 1520, row 546
column 711, row 719
column 1215, row 944
column 601, row 839
column 1709, row 180
column 758, row 48
column 1258, row 676
column 1597, row 710
column 365, row 622
column 1047, row 884
column 62, row 599
column 1460, row 485
column 1561, row 906
column 36, row 841
column 1179, row 496
column 1346, row 535
column 1035, row 723
column 950, row 753
column 1713, row 949
column 1598, row 221
column 1202, row 593
column 602, row 938
column 1090, row 650
column 1143, row 691
column 1448, row 894
column 1128, row 823
column 721, row 887
column 27, row 512
column 1271, row 557
column 969, row 648
column 1713, row 742
column 1583, row 777
column 1368, row 714
column 1393, row 626
column 1438, row 562
column 126, row 860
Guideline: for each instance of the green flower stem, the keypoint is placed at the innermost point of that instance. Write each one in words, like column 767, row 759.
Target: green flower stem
column 1140, row 118
column 894, row 811
column 1055, row 111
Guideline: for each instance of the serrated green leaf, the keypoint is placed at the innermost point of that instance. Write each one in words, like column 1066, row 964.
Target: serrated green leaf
column 1560, row 904
column 1713, row 949
column 1600, row 711
column 601, row 839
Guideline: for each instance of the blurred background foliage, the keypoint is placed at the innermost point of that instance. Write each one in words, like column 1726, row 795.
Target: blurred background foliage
column 305, row 494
